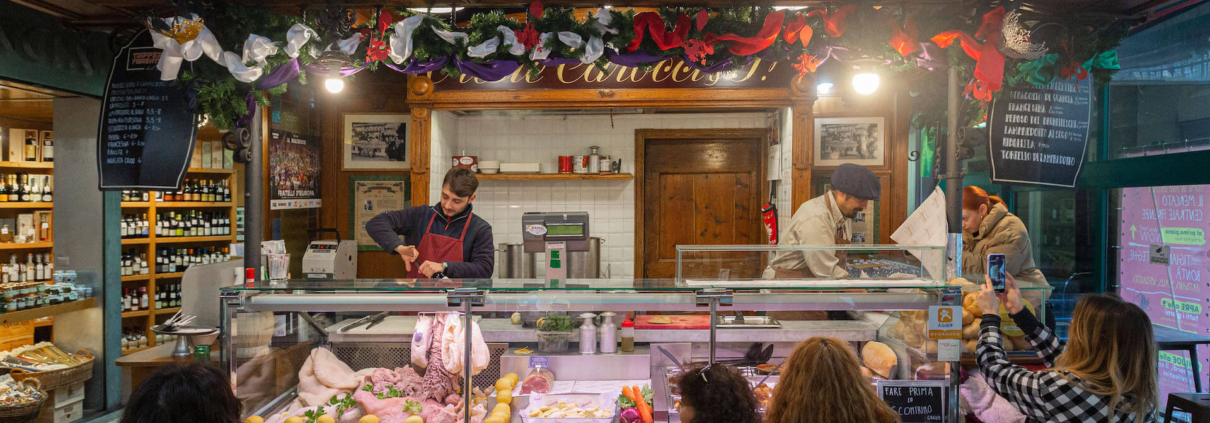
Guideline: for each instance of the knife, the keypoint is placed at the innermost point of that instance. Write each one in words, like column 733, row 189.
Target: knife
column 377, row 319
column 358, row 322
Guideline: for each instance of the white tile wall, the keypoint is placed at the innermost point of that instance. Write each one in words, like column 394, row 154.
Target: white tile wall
column 444, row 138
column 515, row 137
column 784, row 188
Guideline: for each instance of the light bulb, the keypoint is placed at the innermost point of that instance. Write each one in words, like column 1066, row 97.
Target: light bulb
column 334, row 85
column 866, row 83
column 823, row 88
column 435, row 9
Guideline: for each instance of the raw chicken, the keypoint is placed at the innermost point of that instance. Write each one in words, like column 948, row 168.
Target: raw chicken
column 323, row 376
column 454, row 399
column 422, row 337
column 437, row 383
column 453, row 346
column 403, row 379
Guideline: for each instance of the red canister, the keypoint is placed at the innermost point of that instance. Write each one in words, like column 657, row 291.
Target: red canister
column 564, row 164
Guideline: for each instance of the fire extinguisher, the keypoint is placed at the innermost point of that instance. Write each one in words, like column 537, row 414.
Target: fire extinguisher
column 769, row 214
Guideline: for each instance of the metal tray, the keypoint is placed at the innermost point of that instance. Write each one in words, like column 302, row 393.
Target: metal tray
column 750, row 322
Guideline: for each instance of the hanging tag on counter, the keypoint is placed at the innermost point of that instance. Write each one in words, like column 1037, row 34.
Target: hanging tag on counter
column 948, row 350
column 535, row 362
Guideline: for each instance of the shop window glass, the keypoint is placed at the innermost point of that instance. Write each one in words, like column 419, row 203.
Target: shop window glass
column 1158, row 119
column 1168, row 224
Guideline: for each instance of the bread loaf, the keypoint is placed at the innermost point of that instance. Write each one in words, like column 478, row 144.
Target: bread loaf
column 879, row 358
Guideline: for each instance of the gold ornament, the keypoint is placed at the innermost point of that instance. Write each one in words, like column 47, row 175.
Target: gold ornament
column 184, row 31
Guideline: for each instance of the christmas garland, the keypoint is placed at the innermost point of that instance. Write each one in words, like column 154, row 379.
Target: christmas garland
column 280, row 48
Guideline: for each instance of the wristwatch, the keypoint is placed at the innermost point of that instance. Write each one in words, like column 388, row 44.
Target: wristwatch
column 445, row 265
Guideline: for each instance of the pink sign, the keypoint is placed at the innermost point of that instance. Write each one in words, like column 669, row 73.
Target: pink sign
column 1173, row 295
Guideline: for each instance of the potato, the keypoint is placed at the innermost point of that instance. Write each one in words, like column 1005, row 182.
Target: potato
column 326, row 418
column 295, row 419
column 967, row 317
column 504, row 397
column 255, row 419
column 502, row 409
column 368, row 419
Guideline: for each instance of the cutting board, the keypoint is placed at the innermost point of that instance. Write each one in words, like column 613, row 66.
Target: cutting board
column 678, row 322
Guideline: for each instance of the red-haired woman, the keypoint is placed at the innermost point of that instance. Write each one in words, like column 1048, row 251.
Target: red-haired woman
column 988, row 228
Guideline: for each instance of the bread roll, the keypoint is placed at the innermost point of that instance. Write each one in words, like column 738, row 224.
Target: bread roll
column 930, row 347
column 971, row 331
column 897, row 330
column 1020, row 343
column 879, row 358
column 967, row 317
column 960, row 282
column 913, row 339
column 971, row 345
column 971, row 303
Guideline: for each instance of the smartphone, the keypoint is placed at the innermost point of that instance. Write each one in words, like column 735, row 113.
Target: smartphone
column 995, row 271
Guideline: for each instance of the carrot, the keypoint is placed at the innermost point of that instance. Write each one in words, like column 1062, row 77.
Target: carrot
column 645, row 412
column 628, row 393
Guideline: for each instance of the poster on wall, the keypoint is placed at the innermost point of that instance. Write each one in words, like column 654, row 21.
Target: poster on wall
column 294, row 171
column 1173, row 295
column 371, row 195
column 146, row 132
column 1038, row 135
column 376, row 142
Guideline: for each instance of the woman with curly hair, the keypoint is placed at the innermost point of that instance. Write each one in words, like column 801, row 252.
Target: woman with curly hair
column 821, row 382
column 716, row 393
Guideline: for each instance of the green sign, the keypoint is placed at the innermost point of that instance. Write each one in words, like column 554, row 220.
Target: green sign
column 35, row 49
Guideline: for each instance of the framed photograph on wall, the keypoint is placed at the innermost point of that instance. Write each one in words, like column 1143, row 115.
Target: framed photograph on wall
column 860, row 140
column 376, row 141
column 371, row 195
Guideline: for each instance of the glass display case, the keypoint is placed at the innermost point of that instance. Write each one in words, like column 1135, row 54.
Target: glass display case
column 294, row 345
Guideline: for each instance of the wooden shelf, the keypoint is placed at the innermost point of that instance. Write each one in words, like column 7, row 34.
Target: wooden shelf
column 556, row 177
column 136, row 204
column 135, row 350
column 189, row 204
column 28, row 165
column 159, row 276
column 136, row 241
column 167, row 310
column 40, row 312
column 45, row 323
column 26, row 246
column 183, row 239
column 214, row 171
column 21, row 205
column 140, row 313
column 136, row 278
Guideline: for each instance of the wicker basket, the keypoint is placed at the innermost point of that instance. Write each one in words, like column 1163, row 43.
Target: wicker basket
column 27, row 412
column 52, row 379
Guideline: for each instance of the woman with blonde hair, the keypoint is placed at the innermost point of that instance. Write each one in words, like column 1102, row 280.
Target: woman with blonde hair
column 1106, row 372
column 821, row 382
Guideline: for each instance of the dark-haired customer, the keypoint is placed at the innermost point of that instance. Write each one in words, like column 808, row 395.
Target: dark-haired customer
column 193, row 393
column 717, row 393
column 447, row 239
column 1106, row 372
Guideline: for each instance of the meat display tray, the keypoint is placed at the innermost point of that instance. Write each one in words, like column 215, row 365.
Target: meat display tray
column 750, row 322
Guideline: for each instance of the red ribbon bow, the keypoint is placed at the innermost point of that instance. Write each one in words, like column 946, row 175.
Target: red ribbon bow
column 650, row 22
column 377, row 50
column 837, row 22
column 528, row 37
column 799, row 30
column 806, row 63
column 741, row 46
column 989, row 69
column 906, row 40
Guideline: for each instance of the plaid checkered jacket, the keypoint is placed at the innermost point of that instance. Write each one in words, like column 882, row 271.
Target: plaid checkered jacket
column 1043, row 396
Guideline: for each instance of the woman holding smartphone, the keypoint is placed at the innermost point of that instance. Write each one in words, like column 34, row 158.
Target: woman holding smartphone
column 988, row 228
column 1105, row 372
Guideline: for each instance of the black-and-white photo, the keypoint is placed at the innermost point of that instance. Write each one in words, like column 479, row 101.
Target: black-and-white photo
column 860, row 217
column 368, row 206
column 850, row 140
column 858, row 238
column 376, row 141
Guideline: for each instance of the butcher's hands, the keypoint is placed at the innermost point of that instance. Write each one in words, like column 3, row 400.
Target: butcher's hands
column 1012, row 295
column 428, row 269
column 409, row 255
column 988, row 302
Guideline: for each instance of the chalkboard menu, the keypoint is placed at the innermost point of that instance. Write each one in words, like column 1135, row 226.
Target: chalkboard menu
column 1039, row 134
column 146, row 134
column 915, row 401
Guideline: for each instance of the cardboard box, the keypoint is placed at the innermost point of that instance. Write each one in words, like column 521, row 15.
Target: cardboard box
column 25, row 226
column 228, row 159
column 68, row 395
column 216, row 155
column 195, row 161
column 16, row 335
column 69, row 413
column 206, row 152
column 16, row 143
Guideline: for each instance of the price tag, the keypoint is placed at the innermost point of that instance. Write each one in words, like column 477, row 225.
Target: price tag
column 45, row 225
column 535, row 362
column 914, row 401
column 948, row 350
column 945, row 322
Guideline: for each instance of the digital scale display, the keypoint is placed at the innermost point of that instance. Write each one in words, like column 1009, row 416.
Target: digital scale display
column 564, row 230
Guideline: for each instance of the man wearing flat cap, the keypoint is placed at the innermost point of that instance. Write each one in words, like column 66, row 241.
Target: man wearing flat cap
column 825, row 221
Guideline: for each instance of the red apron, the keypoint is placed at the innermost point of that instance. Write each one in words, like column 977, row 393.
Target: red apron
column 438, row 248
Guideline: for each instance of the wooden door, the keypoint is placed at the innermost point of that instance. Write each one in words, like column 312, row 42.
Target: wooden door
column 704, row 189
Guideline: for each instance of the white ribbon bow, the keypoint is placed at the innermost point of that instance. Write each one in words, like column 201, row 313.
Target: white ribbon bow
column 484, row 49
column 604, row 18
column 242, row 73
column 592, row 51
column 349, row 45
column 401, row 41
column 540, row 52
column 257, row 49
column 510, row 40
column 175, row 53
column 296, row 37
column 451, row 37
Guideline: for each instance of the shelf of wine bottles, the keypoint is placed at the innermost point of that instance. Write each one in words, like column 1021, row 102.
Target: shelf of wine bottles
column 176, row 260
column 192, row 191
column 23, row 190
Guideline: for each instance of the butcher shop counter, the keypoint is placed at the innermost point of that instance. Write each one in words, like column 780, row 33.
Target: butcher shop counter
column 327, row 318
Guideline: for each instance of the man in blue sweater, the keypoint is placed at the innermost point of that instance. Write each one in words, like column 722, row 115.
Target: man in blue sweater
column 443, row 240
